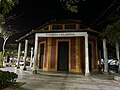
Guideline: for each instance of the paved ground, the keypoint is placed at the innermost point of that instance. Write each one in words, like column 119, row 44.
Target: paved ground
column 58, row 81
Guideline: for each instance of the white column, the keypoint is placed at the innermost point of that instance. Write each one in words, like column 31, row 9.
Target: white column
column 35, row 54
column 87, row 72
column 31, row 58
column 105, row 56
column 117, row 55
column 18, row 58
column 25, row 54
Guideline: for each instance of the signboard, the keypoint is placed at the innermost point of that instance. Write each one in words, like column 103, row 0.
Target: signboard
column 62, row 34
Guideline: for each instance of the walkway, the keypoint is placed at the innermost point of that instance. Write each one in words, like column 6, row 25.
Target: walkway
column 55, row 81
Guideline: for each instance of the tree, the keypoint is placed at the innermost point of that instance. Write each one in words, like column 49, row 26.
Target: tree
column 112, row 34
column 11, row 50
column 2, row 20
column 70, row 5
column 5, row 34
column 5, row 7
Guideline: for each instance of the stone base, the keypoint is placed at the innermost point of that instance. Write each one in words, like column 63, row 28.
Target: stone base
column 105, row 73
column 87, row 74
column 117, row 78
column 24, row 69
column 118, row 70
column 34, row 71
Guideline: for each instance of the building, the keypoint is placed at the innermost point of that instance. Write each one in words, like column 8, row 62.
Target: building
column 63, row 45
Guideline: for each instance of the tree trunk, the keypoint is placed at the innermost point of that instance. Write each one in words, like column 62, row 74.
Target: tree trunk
column 0, row 58
column 4, row 47
column 3, row 50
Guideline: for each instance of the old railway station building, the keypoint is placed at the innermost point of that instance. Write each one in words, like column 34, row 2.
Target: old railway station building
column 63, row 45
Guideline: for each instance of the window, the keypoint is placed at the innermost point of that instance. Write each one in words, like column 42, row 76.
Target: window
column 54, row 27
column 78, row 26
column 70, row 26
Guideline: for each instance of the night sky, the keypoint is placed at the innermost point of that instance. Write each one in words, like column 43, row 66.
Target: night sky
column 32, row 13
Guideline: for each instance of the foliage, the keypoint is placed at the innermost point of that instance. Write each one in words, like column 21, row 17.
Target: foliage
column 112, row 33
column 7, row 78
column 1, row 66
column 6, row 32
column 12, row 46
column 115, row 18
column 70, row 5
column 5, row 7
column 2, row 20
column 1, row 59
column 11, row 53
column 0, row 55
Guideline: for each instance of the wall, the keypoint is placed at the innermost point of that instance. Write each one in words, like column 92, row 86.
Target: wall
column 76, row 53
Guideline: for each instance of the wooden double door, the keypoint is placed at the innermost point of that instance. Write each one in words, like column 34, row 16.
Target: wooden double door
column 63, row 56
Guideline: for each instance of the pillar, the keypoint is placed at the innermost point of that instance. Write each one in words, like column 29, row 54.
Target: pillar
column 105, row 57
column 18, row 58
column 35, row 55
column 31, row 58
column 25, row 54
column 117, row 55
column 87, row 72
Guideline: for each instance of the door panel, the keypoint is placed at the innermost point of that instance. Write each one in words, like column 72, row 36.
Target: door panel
column 41, row 55
column 63, row 56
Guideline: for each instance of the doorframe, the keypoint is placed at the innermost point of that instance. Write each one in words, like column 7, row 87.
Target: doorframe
column 69, row 53
column 92, row 55
column 43, row 42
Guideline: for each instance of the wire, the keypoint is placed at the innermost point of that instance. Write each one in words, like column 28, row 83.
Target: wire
column 106, row 18
column 103, row 13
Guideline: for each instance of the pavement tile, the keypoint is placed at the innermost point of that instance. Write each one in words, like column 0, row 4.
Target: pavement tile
column 57, row 81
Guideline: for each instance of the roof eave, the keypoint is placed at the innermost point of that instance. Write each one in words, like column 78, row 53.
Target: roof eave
column 23, row 37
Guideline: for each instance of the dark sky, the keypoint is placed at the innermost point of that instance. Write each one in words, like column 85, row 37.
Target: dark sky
column 33, row 13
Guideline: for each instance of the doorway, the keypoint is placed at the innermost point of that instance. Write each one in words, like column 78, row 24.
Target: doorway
column 41, row 55
column 63, row 56
column 90, row 56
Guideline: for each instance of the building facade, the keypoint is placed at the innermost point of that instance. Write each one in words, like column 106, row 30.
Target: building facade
column 64, row 45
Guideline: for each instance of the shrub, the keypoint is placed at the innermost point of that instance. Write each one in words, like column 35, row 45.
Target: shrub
column 7, row 78
column 1, row 66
